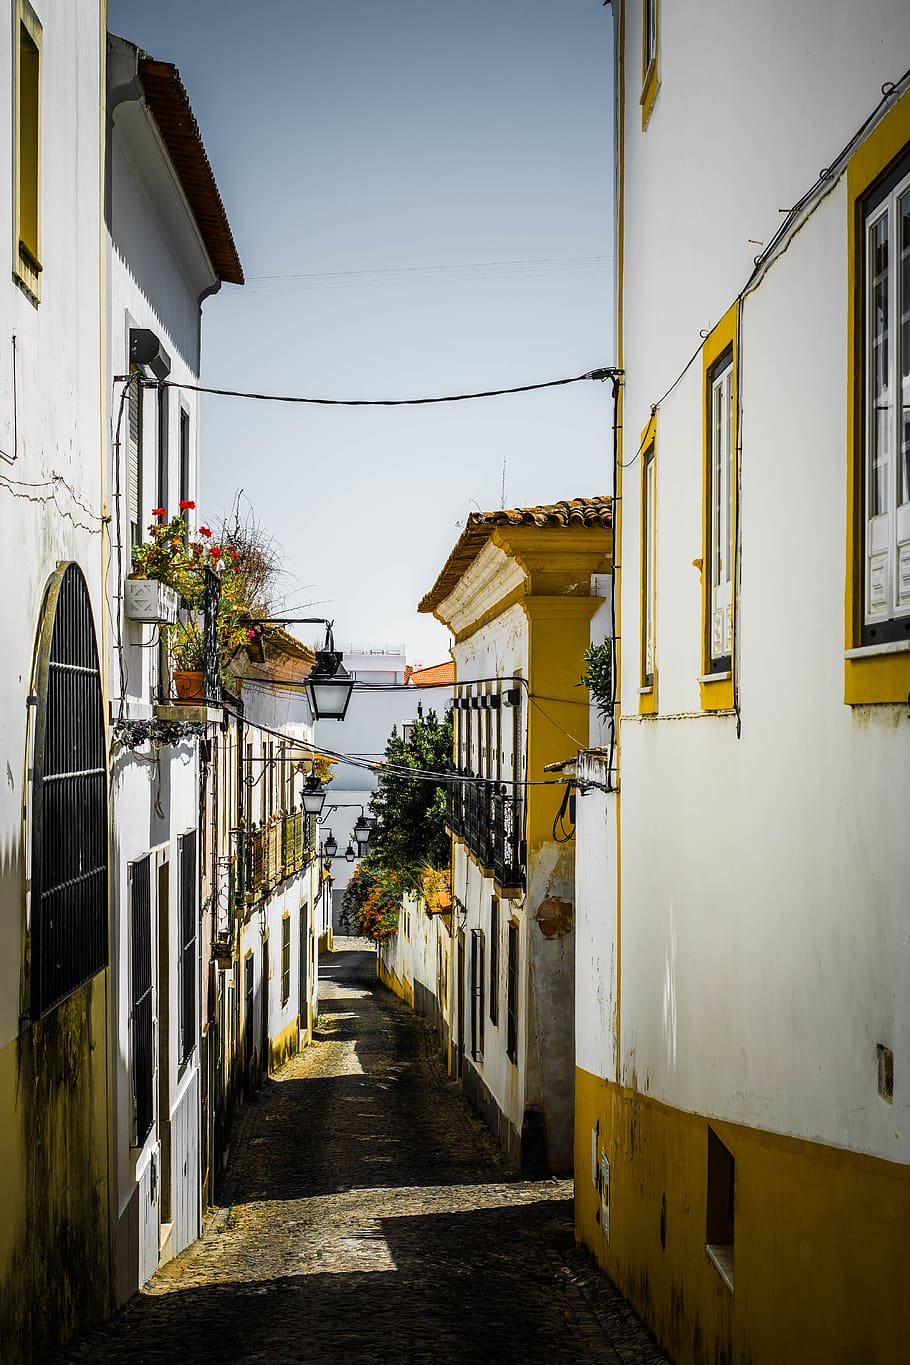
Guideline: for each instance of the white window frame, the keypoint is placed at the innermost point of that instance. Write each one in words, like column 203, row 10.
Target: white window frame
column 721, row 530
column 886, row 401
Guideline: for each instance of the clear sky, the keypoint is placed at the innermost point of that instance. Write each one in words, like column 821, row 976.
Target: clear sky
column 421, row 195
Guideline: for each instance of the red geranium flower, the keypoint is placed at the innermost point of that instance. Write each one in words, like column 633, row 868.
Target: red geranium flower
column 252, row 634
column 186, row 506
column 204, row 531
column 215, row 551
column 160, row 511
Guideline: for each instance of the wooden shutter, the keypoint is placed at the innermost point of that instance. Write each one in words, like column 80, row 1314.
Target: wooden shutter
column 134, row 459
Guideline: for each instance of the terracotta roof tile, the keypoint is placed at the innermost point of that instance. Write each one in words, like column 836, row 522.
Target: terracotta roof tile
column 436, row 675
column 170, row 106
column 572, row 512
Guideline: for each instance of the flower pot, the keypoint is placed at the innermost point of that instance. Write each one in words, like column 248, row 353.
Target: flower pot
column 146, row 599
column 188, row 685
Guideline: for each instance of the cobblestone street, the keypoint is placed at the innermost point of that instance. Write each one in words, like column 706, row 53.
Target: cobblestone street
column 367, row 1216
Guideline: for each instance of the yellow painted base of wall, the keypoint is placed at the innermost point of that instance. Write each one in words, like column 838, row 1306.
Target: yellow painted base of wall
column 403, row 989
column 55, row 1252
column 822, row 1237
column 284, row 1045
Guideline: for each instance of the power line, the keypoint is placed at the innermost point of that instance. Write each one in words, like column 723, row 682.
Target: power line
column 601, row 374
column 388, row 274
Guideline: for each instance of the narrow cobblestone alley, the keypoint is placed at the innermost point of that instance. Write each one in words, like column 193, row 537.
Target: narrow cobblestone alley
column 367, row 1216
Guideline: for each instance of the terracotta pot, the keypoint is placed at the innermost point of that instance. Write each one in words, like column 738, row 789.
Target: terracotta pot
column 188, row 685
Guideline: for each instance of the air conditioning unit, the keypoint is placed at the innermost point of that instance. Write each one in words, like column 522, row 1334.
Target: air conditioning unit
column 146, row 599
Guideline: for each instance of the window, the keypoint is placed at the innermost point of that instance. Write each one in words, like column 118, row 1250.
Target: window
column 162, row 491
column 649, row 51
column 141, row 1024
column 720, row 1207
column 512, row 996
column 134, row 456
column 494, row 960
column 186, row 847
column 647, row 702
column 877, row 628
column 69, row 830
column 477, row 994
column 184, row 470
column 719, row 538
column 27, row 266
column 285, row 959
column 886, row 417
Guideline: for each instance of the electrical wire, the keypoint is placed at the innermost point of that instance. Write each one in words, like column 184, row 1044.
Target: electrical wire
column 598, row 374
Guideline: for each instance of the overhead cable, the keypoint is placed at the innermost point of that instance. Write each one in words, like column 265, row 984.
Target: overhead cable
column 601, row 374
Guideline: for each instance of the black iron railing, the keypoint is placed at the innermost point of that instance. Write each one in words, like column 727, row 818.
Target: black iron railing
column 486, row 815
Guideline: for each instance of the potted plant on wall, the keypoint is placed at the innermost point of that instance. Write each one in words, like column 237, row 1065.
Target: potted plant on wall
column 186, row 648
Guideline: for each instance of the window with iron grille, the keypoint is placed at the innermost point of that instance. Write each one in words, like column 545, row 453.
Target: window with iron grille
column 494, row 960
column 186, row 969
column 68, row 910
column 142, row 1062
column 512, row 996
column 477, row 994
column 285, row 959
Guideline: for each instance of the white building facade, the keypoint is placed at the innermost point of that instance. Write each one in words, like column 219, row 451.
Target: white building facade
column 743, row 1035
column 169, row 247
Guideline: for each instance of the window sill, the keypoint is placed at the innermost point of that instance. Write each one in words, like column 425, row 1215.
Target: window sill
column 721, row 1257
column 877, row 674
column 874, row 651
column 709, row 678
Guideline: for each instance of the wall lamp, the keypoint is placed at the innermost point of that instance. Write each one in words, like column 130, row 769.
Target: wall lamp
column 330, row 849
column 329, row 685
column 361, row 833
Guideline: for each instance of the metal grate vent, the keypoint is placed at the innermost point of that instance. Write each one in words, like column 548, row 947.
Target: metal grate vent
column 69, row 800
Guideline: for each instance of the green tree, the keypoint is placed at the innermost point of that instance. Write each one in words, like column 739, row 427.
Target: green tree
column 410, row 832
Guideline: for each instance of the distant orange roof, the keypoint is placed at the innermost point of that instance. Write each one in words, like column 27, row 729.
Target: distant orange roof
column 438, row 675
column 573, row 512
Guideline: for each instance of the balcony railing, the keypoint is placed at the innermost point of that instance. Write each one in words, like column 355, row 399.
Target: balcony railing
column 486, row 815
column 277, row 851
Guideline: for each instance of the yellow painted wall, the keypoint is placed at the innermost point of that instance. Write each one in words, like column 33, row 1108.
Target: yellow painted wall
column 54, row 1177
column 284, row 1045
column 403, row 989
column 822, row 1237
column 559, row 632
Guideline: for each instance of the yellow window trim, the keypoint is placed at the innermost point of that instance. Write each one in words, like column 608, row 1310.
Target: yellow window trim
column 884, row 677
column 26, row 257
column 717, row 695
column 647, row 694
column 650, row 82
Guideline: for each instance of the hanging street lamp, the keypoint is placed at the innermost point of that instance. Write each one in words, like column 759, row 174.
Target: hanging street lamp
column 362, row 832
column 312, row 796
column 329, row 685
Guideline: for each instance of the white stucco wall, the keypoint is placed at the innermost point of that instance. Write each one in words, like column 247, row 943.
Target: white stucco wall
column 764, row 941
column 51, row 444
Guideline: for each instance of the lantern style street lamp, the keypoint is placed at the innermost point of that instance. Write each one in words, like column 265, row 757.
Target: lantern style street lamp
column 330, row 846
column 349, row 854
column 362, row 833
column 329, row 685
column 312, row 796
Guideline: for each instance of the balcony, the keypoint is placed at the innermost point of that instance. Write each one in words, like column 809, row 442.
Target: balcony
column 487, row 816
column 276, row 851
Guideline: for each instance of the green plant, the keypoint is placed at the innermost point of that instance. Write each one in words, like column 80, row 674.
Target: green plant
column 372, row 900
column 598, row 676
column 186, row 645
column 410, row 831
